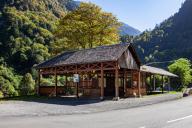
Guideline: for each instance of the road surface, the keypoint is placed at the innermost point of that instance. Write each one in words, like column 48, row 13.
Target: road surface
column 173, row 114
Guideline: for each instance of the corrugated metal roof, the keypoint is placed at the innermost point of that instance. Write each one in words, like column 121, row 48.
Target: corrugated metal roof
column 93, row 55
column 155, row 70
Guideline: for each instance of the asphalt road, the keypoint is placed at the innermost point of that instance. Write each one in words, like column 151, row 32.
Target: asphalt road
column 173, row 114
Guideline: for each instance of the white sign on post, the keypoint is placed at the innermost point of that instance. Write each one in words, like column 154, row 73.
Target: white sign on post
column 76, row 78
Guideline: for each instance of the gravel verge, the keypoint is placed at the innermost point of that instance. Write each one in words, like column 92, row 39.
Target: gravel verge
column 51, row 107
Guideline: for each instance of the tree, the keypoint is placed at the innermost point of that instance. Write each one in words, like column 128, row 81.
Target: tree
column 27, row 86
column 127, row 39
column 182, row 67
column 86, row 27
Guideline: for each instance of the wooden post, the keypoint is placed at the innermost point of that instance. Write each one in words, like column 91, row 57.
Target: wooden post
column 66, row 80
column 139, row 84
column 56, row 82
column 169, row 84
column 150, row 83
column 102, row 82
column 77, row 85
column 162, row 87
column 124, row 83
column 77, row 90
column 116, row 83
column 39, row 82
column 154, row 88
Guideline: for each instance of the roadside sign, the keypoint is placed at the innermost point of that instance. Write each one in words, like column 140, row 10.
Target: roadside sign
column 76, row 78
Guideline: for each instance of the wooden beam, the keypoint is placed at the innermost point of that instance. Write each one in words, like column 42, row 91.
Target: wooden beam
column 77, row 84
column 139, row 83
column 150, row 84
column 124, row 83
column 56, row 82
column 162, row 87
column 154, row 88
column 65, row 79
column 102, row 82
column 116, row 83
column 39, row 82
column 79, row 68
column 169, row 84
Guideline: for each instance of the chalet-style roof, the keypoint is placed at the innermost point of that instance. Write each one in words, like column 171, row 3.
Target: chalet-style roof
column 93, row 55
column 158, row 71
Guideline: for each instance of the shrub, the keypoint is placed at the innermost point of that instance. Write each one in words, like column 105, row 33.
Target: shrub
column 27, row 86
column 1, row 94
column 181, row 67
column 8, row 81
column 46, row 82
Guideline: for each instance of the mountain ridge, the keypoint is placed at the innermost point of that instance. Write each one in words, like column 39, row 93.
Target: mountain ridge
column 126, row 29
column 169, row 40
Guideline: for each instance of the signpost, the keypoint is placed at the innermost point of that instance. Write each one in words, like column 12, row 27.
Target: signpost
column 76, row 78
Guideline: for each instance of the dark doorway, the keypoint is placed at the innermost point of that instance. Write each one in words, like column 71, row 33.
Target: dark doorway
column 121, row 87
column 110, row 85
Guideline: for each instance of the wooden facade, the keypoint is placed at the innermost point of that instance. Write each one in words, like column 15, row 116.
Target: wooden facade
column 111, row 71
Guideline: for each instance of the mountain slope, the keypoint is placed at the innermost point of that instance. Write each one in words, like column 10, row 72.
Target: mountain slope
column 172, row 39
column 128, row 30
column 26, row 30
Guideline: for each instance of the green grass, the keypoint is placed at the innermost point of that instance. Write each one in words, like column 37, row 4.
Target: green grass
column 159, row 93
column 23, row 98
column 173, row 92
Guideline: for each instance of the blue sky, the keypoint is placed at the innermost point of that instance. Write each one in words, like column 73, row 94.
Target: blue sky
column 141, row 14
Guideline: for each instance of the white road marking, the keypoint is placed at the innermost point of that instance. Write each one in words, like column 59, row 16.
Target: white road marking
column 142, row 127
column 186, row 117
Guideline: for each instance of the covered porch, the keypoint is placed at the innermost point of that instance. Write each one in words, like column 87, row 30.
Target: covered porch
column 152, row 73
column 97, row 80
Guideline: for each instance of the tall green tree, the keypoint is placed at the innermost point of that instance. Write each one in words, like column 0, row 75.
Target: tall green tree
column 182, row 67
column 86, row 27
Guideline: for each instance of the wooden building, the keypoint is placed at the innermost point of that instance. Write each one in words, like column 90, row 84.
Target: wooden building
column 105, row 71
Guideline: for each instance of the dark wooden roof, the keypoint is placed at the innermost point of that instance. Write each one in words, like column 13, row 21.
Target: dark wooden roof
column 93, row 55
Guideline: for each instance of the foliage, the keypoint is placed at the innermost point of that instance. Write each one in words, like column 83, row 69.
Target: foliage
column 86, row 27
column 27, row 30
column 158, row 81
column 127, row 39
column 1, row 95
column 9, row 82
column 182, row 67
column 26, row 33
column 47, row 82
column 27, row 85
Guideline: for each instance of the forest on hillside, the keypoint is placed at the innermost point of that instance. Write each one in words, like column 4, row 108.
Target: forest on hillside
column 26, row 34
column 169, row 40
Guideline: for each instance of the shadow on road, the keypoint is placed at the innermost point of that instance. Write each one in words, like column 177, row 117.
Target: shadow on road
column 71, row 101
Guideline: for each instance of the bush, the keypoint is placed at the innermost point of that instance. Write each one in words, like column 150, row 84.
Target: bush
column 46, row 82
column 8, row 82
column 27, row 86
column 1, row 94
column 182, row 68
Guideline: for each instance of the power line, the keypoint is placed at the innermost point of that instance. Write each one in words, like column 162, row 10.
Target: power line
column 159, row 62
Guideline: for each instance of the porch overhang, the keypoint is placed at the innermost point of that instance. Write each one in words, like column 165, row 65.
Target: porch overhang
column 158, row 71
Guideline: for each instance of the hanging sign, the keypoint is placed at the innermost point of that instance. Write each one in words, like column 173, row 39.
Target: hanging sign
column 76, row 78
